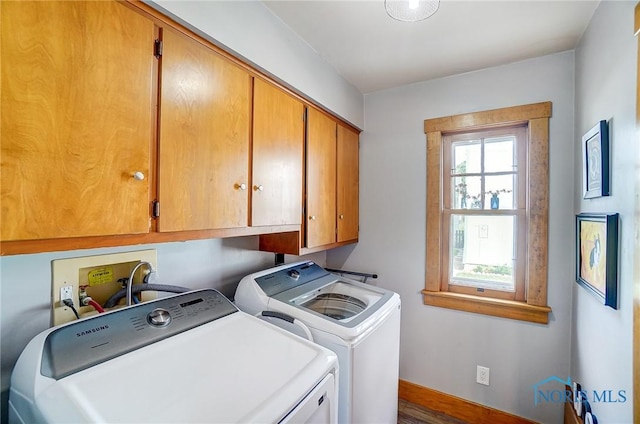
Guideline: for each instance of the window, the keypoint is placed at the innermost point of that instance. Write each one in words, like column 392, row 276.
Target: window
column 483, row 212
column 487, row 211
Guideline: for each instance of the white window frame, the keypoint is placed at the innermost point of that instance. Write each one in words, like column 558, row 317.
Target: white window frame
column 518, row 212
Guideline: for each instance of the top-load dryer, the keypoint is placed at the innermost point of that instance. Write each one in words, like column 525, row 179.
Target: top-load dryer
column 359, row 322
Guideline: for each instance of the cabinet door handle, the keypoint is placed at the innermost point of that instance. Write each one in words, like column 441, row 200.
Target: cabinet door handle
column 138, row 176
column 242, row 186
column 312, row 218
column 258, row 188
column 341, row 216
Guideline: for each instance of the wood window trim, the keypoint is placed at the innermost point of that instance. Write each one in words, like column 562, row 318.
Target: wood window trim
column 536, row 117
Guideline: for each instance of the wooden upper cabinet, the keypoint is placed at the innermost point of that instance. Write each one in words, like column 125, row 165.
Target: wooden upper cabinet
column 331, row 190
column 278, row 140
column 203, row 177
column 77, row 119
column 321, row 179
column 94, row 127
column 347, row 184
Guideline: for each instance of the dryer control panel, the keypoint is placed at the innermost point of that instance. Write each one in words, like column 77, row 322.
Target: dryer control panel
column 85, row 343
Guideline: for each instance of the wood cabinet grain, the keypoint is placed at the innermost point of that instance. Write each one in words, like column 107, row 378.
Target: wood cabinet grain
column 348, row 184
column 77, row 119
column 278, row 140
column 321, row 179
column 331, row 200
column 205, row 118
column 97, row 125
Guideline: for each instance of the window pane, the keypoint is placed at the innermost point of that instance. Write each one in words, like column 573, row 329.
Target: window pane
column 499, row 154
column 482, row 252
column 498, row 190
column 465, row 193
column 466, row 157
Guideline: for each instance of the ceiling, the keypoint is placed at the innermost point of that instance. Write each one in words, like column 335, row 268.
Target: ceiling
column 374, row 52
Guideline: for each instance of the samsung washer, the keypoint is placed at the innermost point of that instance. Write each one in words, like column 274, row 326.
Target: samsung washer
column 359, row 322
column 187, row 358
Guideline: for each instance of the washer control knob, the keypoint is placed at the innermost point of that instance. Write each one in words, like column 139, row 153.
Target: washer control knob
column 294, row 273
column 159, row 317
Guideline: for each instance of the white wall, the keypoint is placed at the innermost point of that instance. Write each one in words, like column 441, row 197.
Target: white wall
column 601, row 351
column 250, row 29
column 440, row 348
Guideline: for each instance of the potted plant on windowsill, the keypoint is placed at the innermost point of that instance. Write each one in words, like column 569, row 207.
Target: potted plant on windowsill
column 461, row 190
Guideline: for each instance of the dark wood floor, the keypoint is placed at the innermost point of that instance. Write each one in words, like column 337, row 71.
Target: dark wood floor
column 409, row 413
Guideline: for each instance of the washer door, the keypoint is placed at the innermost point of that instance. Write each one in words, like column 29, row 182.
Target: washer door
column 336, row 305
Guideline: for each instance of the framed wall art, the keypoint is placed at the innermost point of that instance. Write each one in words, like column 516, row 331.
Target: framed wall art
column 597, row 255
column 595, row 161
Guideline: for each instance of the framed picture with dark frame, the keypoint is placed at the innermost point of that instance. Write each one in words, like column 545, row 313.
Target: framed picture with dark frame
column 597, row 255
column 595, row 161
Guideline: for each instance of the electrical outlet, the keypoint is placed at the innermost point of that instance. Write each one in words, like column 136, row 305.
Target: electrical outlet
column 66, row 292
column 482, row 375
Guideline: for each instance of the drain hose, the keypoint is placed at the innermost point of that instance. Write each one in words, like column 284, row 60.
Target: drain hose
column 137, row 288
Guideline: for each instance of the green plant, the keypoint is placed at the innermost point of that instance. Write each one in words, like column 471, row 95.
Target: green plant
column 493, row 269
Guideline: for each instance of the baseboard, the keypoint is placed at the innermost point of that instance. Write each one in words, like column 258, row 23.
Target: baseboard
column 570, row 414
column 456, row 407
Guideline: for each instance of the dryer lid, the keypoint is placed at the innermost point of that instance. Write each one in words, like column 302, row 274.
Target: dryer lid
column 237, row 369
column 230, row 367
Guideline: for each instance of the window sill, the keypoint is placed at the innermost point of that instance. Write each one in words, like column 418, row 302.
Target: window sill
column 488, row 306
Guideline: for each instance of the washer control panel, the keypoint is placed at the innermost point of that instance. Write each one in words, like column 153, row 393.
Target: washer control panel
column 85, row 343
column 291, row 277
column 159, row 317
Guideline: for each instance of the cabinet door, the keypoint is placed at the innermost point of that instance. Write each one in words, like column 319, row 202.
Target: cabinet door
column 321, row 179
column 77, row 119
column 347, row 184
column 278, row 139
column 204, row 138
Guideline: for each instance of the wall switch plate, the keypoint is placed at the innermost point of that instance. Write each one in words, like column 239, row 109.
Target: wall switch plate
column 99, row 276
column 482, row 375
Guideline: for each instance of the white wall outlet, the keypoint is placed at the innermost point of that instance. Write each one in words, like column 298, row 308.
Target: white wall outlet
column 482, row 375
column 66, row 292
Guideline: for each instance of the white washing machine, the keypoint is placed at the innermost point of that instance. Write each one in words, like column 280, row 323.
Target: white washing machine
column 187, row 358
column 359, row 322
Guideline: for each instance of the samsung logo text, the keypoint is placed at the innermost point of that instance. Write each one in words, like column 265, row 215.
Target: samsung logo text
column 92, row 331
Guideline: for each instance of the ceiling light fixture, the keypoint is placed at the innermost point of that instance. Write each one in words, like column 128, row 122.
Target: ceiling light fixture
column 411, row 10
